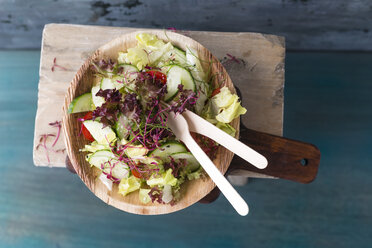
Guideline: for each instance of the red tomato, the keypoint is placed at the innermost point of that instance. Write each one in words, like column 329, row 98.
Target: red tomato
column 84, row 130
column 158, row 75
column 216, row 91
column 136, row 173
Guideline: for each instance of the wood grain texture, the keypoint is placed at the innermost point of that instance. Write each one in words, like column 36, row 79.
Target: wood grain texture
column 84, row 80
column 328, row 103
column 259, row 74
column 307, row 25
column 287, row 159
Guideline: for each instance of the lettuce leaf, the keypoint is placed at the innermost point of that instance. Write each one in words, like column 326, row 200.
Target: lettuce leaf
column 228, row 106
column 166, row 178
column 128, row 185
column 95, row 146
column 227, row 128
column 144, row 195
column 148, row 51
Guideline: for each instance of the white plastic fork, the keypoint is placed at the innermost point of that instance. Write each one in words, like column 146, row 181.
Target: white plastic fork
column 180, row 128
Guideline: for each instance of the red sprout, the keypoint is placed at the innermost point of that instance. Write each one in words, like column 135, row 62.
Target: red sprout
column 233, row 58
column 58, row 125
column 55, row 65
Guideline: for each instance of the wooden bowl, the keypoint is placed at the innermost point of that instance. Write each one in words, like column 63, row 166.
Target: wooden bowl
column 191, row 191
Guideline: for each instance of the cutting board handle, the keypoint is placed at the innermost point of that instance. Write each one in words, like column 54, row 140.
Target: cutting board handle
column 287, row 159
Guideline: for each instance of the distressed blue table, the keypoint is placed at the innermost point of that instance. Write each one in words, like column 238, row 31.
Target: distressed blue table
column 327, row 102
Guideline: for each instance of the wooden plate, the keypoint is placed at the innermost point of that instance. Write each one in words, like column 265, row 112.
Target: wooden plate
column 192, row 191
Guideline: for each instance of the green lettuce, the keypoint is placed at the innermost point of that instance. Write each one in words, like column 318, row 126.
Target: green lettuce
column 128, row 185
column 144, row 196
column 95, row 146
column 228, row 106
column 148, row 51
column 165, row 178
column 227, row 128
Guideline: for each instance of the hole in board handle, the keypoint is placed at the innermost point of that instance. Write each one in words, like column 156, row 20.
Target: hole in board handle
column 304, row 161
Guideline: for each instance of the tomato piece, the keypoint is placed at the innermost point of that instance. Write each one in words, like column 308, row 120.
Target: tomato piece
column 216, row 91
column 136, row 173
column 84, row 130
column 158, row 76
column 88, row 116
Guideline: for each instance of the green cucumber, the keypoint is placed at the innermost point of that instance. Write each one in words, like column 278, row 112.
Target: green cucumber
column 120, row 126
column 128, row 71
column 192, row 163
column 81, row 103
column 98, row 158
column 103, row 135
column 178, row 75
column 179, row 56
column 127, row 75
column 97, row 100
column 174, row 56
column 167, row 149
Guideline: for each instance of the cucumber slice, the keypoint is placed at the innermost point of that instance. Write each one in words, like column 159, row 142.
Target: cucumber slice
column 128, row 71
column 180, row 56
column 120, row 126
column 174, row 56
column 81, row 103
column 192, row 163
column 112, row 83
column 98, row 158
column 194, row 64
column 100, row 134
column 109, row 83
column 128, row 74
column 97, row 100
column 178, row 75
column 167, row 149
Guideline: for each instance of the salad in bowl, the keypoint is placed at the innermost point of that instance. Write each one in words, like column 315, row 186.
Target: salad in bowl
column 123, row 117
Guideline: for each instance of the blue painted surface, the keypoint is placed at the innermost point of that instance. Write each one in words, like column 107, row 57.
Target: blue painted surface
column 327, row 102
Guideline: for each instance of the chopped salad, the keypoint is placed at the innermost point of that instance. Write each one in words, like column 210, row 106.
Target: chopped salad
column 127, row 111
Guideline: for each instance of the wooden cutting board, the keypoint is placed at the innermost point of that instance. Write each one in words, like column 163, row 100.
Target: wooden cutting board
column 254, row 61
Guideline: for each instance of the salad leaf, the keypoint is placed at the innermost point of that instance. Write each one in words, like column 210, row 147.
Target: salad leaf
column 185, row 99
column 227, row 128
column 156, row 195
column 150, row 88
column 230, row 113
column 131, row 107
column 224, row 98
column 103, row 67
column 128, row 185
column 149, row 50
column 149, row 41
column 144, row 195
column 138, row 57
column 228, row 106
column 107, row 182
column 134, row 151
column 167, row 196
column 194, row 64
column 108, row 111
column 166, row 178
column 94, row 146
column 195, row 175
